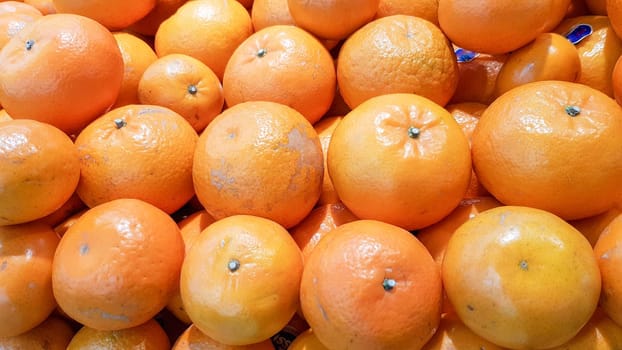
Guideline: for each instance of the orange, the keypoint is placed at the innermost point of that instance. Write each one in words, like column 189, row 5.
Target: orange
column 71, row 206
column 426, row 9
column 452, row 334
column 282, row 64
column 549, row 56
column 186, row 86
column 45, row 6
column 14, row 16
column 598, row 7
column 502, row 27
column 551, row 145
column 397, row 54
column 26, row 298
column 240, row 279
column 609, row 257
column 332, row 19
column 614, row 13
column 404, row 151
column 114, row 14
column 598, row 51
column 220, row 25
column 371, row 285
column 39, row 170
column 325, row 128
column 126, row 273
column 190, row 229
column 591, row 227
column 265, row 13
column 616, row 80
column 521, row 277
column 62, row 227
column 76, row 80
column 259, row 158
column 137, row 56
column 577, row 8
column 320, row 222
column 137, row 151
column 477, row 76
column 600, row 333
column 307, row 341
column 148, row 25
column 147, row 336
column 192, row 338
column 53, row 334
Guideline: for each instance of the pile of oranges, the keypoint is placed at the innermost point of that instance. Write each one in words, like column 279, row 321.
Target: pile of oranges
column 289, row 174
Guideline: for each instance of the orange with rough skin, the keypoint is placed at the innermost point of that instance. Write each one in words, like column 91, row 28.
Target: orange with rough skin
column 452, row 334
column 147, row 336
column 407, row 153
column 607, row 252
column 137, row 151
column 190, row 229
column 186, row 86
column 477, row 77
column 282, row 64
column 591, row 227
column 53, row 334
column 502, row 27
column 371, row 285
column 14, row 16
column 137, row 56
column 325, row 128
column 46, row 7
column 598, row 52
column 113, row 14
column 240, row 279
column 265, row 13
column 397, row 54
column 26, row 298
column 193, row 339
column 521, row 277
column 39, row 170
column 600, row 333
column 551, row 145
column 162, row 10
column 332, row 19
column 549, row 56
column 76, row 80
column 221, row 26
column 307, row 341
column 126, row 273
column 426, row 9
column 259, row 158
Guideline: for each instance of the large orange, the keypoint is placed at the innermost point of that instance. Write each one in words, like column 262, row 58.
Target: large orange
column 148, row 25
column 265, row 13
column 404, row 151
column 137, row 151
column 193, row 339
column 240, row 279
column 53, row 334
column 521, row 277
column 551, row 145
column 123, row 275
column 498, row 26
column 608, row 254
column 114, row 14
column 26, row 298
column 259, row 158
column 73, row 81
column 39, row 170
column 426, row 9
column 371, row 285
column 397, row 54
column 137, row 56
column 146, row 336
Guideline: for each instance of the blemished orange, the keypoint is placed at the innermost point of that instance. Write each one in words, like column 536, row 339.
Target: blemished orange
column 307, row 341
column 598, row 7
column 406, row 152
column 137, row 151
column 325, row 128
column 320, row 222
column 52, row 334
column 265, row 13
column 477, row 77
column 452, row 334
column 126, row 273
column 13, row 18
column 521, row 277
column 137, row 56
column 591, row 227
column 426, row 9
column 616, row 81
column 113, row 14
column 193, row 339
column 503, row 27
column 26, row 298
column 185, row 85
column 397, row 54
column 600, row 333
column 551, row 145
column 371, row 285
column 39, row 170
column 598, row 51
column 147, row 336
column 46, row 7
column 76, row 81
column 549, row 56
column 282, row 64
column 259, row 158
column 221, row 26
column 149, row 24
column 608, row 254
column 190, row 228
column 332, row 19
column 240, row 279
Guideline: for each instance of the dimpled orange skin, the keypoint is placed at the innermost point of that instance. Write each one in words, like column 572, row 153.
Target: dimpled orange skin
column 147, row 336
column 26, row 298
column 607, row 251
column 193, row 339
column 255, row 300
column 521, row 277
